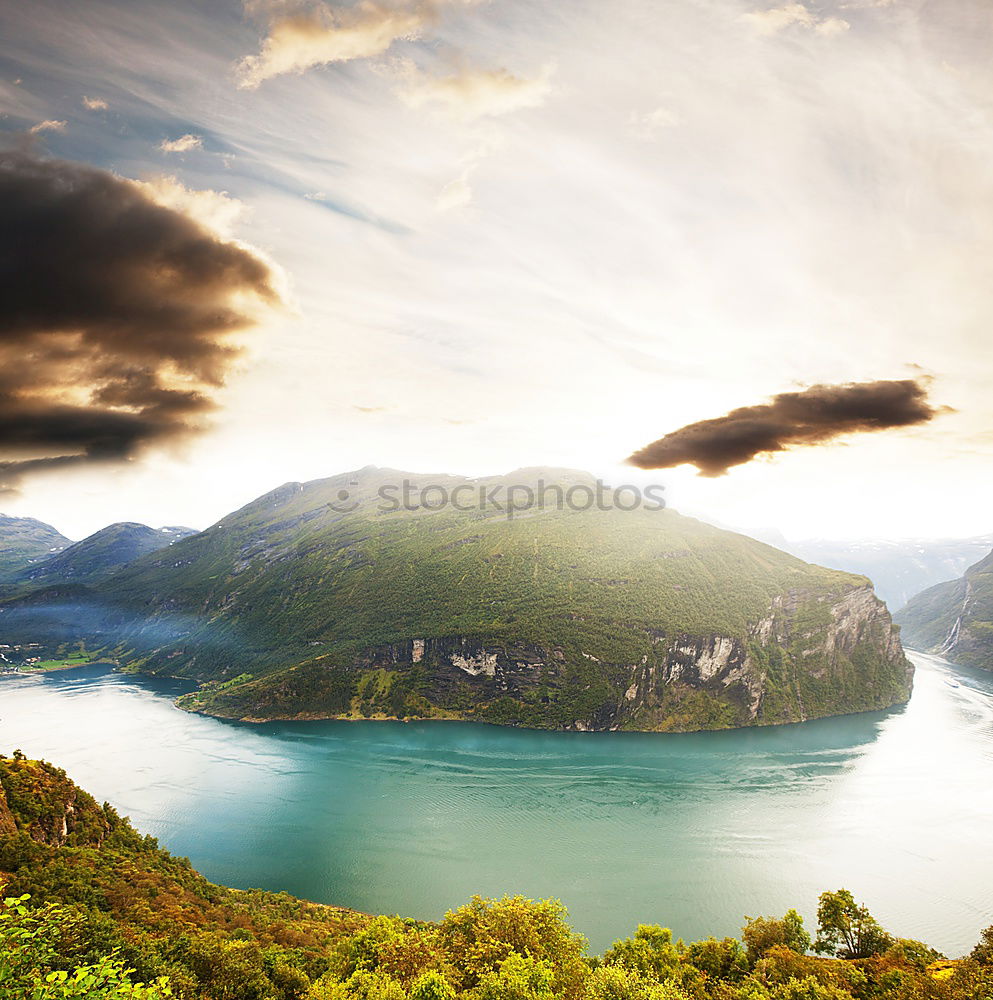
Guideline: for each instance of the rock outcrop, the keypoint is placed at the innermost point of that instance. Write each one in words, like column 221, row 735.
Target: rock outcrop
column 955, row 619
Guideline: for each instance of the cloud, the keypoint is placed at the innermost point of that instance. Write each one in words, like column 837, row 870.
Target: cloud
column 777, row 19
column 832, row 26
column 94, row 103
column 299, row 41
column 472, row 93
column 647, row 124
column 214, row 210
column 115, row 332
column 812, row 416
column 181, row 145
column 49, row 125
column 457, row 193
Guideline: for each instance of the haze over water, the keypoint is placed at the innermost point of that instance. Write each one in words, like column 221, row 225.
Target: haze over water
column 692, row 831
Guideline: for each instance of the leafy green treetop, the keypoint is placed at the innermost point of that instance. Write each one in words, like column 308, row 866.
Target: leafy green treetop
column 29, row 940
column 847, row 929
column 762, row 933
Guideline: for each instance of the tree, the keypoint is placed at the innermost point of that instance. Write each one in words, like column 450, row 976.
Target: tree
column 983, row 952
column 29, row 939
column 762, row 933
column 847, row 929
column 720, row 959
column 615, row 982
column 478, row 937
column 432, row 985
column 808, row 989
column 651, row 951
column 518, row 978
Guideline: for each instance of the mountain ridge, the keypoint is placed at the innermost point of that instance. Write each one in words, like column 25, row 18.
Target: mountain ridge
column 955, row 619
column 24, row 541
column 101, row 552
column 899, row 569
column 337, row 598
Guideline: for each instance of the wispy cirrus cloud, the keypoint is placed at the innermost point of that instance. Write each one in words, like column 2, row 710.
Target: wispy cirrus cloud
column 183, row 144
column 94, row 103
column 473, row 93
column 773, row 20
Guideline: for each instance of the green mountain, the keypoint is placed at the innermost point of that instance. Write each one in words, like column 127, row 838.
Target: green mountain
column 335, row 599
column 955, row 619
column 93, row 907
column 101, row 553
column 24, row 542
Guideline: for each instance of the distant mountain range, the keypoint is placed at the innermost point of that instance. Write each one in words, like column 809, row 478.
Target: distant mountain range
column 100, row 553
column 34, row 554
column 316, row 602
column 25, row 542
column 955, row 619
column 898, row 569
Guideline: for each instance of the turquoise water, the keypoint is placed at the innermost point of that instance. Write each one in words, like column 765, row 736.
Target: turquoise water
column 692, row 831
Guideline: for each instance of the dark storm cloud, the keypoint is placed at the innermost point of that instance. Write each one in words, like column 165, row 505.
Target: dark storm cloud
column 792, row 419
column 115, row 315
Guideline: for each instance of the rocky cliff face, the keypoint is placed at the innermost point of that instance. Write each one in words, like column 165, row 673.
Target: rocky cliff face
column 955, row 619
column 38, row 800
column 690, row 681
column 807, row 657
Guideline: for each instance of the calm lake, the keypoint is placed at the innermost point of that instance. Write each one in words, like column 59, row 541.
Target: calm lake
column 692, row 831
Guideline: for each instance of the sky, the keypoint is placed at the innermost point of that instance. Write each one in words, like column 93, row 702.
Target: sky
column 519, row 232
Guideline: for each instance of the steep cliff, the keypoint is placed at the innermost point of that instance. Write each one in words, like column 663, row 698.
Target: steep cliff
column 811, row 656
column 955, row 619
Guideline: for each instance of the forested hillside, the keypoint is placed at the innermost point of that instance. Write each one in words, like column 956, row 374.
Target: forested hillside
column 321, row 600
column 93, row 908
column 955, row 619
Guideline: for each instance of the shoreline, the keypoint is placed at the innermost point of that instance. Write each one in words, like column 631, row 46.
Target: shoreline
column 21, row 670
column 312, row 717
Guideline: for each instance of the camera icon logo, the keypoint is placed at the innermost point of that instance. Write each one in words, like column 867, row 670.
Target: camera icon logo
column 345, row 501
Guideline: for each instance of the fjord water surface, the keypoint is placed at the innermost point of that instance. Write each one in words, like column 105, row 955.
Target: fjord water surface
column 692, row 831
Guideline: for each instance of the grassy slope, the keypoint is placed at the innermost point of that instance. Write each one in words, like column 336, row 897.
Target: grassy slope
column 24, row 540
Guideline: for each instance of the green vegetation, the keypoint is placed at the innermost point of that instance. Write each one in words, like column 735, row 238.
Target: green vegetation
column 99, row 554
column 955, row 619
column 63, row 661
column 33, row 946
column 24, row 542
column 592, row 619
column 95, row 910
